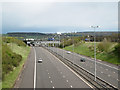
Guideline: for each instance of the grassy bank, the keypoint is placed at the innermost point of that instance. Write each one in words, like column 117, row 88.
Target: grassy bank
column 11, row 77
column 87, row 49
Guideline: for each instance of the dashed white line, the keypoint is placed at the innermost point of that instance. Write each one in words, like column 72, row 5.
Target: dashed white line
column 71, row 86
column 63, row 76
column 49, row 77
column 51, row 81
column 53, row 87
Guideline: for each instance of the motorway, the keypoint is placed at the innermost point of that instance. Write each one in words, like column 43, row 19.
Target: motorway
column 105, row 71
column 51, row 73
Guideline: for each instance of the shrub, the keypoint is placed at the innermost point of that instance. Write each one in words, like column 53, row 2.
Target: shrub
column 104, row 46
column 9, row 60
column 117, row 51
column 13, row 40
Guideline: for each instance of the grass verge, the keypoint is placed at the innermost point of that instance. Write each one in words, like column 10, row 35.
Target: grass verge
column 84, row 49
column 12, row 76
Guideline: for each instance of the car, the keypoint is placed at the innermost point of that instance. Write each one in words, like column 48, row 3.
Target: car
column 68, row 52
column 82, row 59
column 40, row 60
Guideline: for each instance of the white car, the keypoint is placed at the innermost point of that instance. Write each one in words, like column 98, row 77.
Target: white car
column 40, row 60
column 68, row 52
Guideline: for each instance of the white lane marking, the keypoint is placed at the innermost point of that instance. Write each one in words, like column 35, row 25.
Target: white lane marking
column 51, row 81
column 101, row 72
column 72, row 71
column 35, row 70
column 63, row 76
column 49, row 77
column 108, row 75
column 53, row 87
column 71, row 86
column 48, row 73
column 66, row 80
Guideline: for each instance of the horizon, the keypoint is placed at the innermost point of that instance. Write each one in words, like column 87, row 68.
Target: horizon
column 61, row 32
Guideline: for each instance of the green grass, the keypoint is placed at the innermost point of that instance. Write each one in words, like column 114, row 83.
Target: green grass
column 84, row 49
column 12, row 76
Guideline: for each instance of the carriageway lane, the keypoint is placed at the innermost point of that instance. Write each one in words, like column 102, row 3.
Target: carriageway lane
column 52, row 73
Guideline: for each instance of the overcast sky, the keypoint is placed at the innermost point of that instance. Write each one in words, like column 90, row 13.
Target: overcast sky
column 58, row 16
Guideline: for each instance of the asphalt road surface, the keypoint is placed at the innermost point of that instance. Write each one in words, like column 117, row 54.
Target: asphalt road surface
column 105, row 71
column 51, row 73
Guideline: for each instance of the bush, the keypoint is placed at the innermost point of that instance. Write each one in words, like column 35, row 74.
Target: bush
column 70, row 41
column 104, row 46
column 117, row 51
column 13, row 40
column 9, row 60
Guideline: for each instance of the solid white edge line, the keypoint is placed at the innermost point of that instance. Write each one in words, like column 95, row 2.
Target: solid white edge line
column 73, row 71
column 35, row 70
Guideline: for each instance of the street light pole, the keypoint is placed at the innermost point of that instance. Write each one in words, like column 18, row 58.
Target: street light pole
column 63, row 46
column 94, row 27
column 59, row 33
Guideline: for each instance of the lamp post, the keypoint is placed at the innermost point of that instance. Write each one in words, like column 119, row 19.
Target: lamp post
column 94, row 27
column 59, row 33
column 63, row 44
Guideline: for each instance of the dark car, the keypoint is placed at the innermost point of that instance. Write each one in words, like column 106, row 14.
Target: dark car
column 82, row 59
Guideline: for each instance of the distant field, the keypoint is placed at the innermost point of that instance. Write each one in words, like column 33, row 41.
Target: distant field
column 87, row 49
column 11, row 77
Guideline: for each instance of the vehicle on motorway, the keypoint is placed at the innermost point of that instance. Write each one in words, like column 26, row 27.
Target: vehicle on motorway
column 40, row 60
column 68, row 52
column 82, row 59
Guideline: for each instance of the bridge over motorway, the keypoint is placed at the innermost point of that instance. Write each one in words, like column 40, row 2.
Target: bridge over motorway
column 32, row 42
